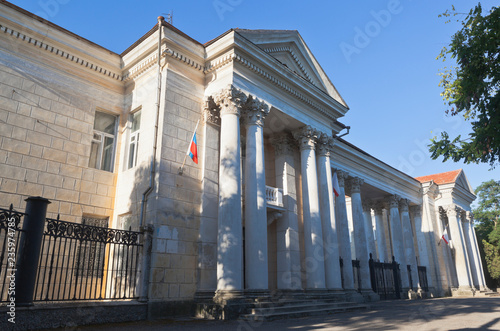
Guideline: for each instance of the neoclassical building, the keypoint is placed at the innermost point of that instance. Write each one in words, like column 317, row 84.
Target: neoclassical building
column 279, row 199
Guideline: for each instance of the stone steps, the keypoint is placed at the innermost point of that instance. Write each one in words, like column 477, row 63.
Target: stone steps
column 300, row 308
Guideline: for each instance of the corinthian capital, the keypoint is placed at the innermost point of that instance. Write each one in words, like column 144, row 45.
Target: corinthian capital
column 453, row 211
column 403, row 205
column 230, row 100
column 470, row 217
column 355, row 184
column 325, row 144
column 283, row 144
column 378, row 207
column 341, row 177
column 393, row 200
column 306, row 136
column 210, row 111
column 255, row 111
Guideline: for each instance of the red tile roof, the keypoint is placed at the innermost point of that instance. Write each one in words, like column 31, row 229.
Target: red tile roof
column 442, row 178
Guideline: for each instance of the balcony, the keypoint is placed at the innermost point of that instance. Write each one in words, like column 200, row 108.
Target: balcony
column 274, row 197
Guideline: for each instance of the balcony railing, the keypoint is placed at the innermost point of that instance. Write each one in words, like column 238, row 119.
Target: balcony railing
column 274, row 196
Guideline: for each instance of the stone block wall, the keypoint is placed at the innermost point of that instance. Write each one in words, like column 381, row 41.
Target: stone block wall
column 46, row 128
column 177, row 215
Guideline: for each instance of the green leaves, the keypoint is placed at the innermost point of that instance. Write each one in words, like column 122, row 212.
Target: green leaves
column 487, row 216
column 471, row 89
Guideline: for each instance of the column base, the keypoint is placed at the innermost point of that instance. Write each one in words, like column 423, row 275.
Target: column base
column 462, row 291
column 229, row 304
column 369, row 295
column 354, row 296
column 257, row 295
column 225, row 296
column 204, row 295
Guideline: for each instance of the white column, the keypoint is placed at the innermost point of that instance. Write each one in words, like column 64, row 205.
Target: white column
column 327, row 207
column 287, row 226
column 476, row 253
column 313, row 235
column 360, row 243
column 397, row 239
column 421, row 241
column 256, row 266
column 457, row 237
column 370, row 239
column 380, row 233
column 408, row 242
column 229, row 238
column 343, row 232
column 467, row 243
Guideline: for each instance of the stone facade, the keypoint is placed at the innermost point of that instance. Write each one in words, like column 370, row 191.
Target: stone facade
column 277, row 198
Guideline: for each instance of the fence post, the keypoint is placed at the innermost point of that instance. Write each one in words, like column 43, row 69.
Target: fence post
column 373, row 277
column 397, row 277
column 147, row 233
column 29, row 249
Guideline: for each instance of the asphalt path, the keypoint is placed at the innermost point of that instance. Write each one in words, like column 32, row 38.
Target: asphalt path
column 421, row 315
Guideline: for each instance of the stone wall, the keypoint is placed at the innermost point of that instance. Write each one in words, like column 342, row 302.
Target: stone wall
column 46, row 128
column 177, row 217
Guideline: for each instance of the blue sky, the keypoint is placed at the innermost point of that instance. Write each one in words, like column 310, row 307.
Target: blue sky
column 381, row 56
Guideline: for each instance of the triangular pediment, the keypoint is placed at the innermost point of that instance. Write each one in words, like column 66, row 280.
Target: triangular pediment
column 462, row 182
column 290, row 50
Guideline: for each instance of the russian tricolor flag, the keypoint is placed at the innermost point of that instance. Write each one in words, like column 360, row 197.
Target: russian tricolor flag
column 336, row 188
column 193, row 149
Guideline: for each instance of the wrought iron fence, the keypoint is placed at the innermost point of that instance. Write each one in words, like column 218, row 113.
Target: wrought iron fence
column 87, row 262
column 422, row 277
column 384, row 279
column 410, row 279
column 10, row 229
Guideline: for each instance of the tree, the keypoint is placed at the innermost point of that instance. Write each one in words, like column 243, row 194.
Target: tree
column 471, row 89
column 487, row 218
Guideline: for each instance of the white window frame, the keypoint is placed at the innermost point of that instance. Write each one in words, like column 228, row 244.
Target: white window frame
column 133, row 139
column 99, row 138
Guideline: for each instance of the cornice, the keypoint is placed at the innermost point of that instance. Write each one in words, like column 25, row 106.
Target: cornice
column 140, row 67
column 226, row 59
column 282, row 85
column 65, row 55
column 375, row 172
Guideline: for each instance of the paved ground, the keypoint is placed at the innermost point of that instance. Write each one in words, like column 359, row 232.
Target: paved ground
column 422, row 315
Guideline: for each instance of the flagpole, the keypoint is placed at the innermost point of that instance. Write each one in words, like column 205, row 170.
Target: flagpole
column 181, row 169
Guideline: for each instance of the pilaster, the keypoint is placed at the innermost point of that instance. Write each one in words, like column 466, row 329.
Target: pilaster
column 287, row 227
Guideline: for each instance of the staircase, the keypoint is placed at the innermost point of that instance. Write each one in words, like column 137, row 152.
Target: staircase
column 487, row 294
column 265, row 311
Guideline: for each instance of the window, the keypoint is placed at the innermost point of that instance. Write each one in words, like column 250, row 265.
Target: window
column 135, row 125
column 103, row 143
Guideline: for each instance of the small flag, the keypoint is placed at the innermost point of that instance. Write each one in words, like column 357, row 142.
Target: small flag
column 193, row 149
column 336, row 188
column 445, row 237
